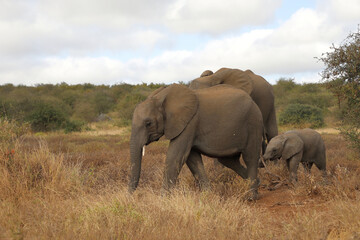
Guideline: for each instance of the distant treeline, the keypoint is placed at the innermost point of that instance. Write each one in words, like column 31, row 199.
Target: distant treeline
column 50, row 107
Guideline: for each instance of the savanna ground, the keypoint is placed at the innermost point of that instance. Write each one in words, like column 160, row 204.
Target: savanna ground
column 73, row 186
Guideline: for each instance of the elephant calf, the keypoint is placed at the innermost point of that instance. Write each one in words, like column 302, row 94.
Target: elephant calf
column 305, row 146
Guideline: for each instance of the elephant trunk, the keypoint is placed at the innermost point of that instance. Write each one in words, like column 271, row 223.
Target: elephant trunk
column 266, row 156
column 135, row 157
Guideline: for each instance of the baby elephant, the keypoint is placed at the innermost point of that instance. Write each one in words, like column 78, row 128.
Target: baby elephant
column 305, row 146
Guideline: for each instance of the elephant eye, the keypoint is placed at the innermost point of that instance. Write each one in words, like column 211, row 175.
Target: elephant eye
column 147, row 123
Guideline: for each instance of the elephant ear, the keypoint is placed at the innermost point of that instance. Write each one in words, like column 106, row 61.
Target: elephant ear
column 234, row 77
column 180, row 104
column 155, row 92
column 292, row 145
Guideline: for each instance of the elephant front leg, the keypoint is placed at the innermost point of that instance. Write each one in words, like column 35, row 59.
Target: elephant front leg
column 196, row 166
column 177, row 154
column 293, row 165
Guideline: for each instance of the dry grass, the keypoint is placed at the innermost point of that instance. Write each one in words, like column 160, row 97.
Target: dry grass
column 74, row 187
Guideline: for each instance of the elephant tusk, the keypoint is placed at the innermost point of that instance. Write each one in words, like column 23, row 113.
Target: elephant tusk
column 143, row 150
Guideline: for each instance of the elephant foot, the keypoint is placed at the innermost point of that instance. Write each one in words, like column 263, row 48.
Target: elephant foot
column 253, row 196
column 324, row 181
column 165, row 192
column 205, row 187
column 325, row 178
column 294, row 182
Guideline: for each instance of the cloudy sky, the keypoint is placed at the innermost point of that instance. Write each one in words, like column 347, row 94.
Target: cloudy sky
column 167, row 41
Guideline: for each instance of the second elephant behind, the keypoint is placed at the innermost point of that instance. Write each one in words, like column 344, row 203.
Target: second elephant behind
column 256, row 86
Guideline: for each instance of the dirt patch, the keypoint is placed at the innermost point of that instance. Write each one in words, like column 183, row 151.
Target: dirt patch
column 120, row 131
column 328, row 131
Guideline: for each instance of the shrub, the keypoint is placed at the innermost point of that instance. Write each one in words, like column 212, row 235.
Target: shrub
column 74, row 126
column 47, row 116
column 287, row 92
column 299, row 114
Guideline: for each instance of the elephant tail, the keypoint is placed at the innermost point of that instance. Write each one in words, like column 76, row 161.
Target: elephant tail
column 263, row 148
column 264, row 142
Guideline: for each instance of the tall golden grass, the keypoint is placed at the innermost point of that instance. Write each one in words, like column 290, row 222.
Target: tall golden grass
column 74, row 187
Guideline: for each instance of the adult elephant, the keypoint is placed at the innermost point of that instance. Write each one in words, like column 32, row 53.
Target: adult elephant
column 221, row 122
column 256, row 86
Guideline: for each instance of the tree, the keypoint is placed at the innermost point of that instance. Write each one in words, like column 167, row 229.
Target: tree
column 342, row 77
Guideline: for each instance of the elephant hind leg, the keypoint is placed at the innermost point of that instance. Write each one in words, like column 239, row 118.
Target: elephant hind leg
column 263, row 146
column 321, row 165
column 234, row 164
column 271, row 126
column 251, row 155
column 307, row 166
column 251, row 160
column 196, row 166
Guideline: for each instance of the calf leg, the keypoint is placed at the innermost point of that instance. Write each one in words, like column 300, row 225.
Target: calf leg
column 293, row 165
column 321, row 165
column 307, row 166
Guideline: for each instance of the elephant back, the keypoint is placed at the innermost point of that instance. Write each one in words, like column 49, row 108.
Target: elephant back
column 234, row 77
column 225, row 96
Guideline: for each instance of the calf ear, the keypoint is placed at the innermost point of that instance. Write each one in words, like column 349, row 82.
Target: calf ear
column 179, row 104
column 292, row 145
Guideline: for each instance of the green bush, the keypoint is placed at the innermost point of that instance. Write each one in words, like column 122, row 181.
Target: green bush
column 302, row 114
column 46, row 117
column 288, row 92
column 73, row 126
column 320, row 100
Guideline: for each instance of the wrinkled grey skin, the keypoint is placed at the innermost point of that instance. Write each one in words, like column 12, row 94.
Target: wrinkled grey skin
column 196, row 122
column 305, row 146
column 256, row 86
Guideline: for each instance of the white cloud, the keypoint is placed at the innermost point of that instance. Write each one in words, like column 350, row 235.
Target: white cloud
column 213, row 16
column 287, row 50
column 342, row 10
column 50, row 28
column 69, row 70
column 114, row 14
column 42, row 38
column 84, row 41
